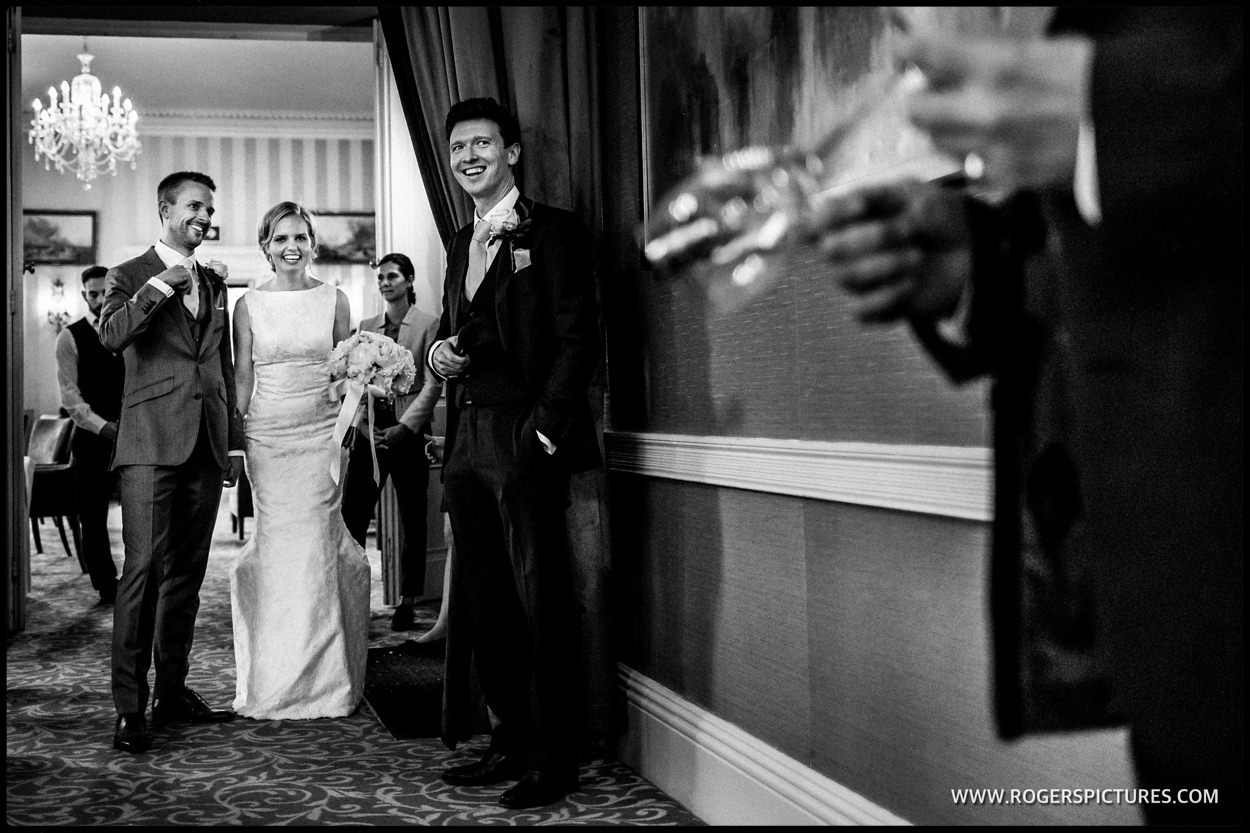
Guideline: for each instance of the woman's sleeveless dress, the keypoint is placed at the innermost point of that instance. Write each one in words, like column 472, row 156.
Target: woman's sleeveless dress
column 299, row 591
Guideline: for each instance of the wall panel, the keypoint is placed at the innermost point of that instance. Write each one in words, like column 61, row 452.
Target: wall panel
column 852, row 639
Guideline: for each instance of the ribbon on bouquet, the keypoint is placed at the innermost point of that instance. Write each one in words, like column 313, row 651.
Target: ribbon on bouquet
column 352, row 393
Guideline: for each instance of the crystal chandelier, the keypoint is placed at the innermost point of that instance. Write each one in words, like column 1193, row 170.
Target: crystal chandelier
column 84, row 131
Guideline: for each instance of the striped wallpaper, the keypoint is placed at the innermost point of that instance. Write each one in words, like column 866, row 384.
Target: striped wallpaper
column 252, row 173
column 328, row 165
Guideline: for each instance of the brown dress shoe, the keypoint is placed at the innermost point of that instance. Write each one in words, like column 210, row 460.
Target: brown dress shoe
column 131, row 734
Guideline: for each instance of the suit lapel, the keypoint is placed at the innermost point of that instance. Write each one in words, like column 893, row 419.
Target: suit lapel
column 503, row 269
column 184, row 323
column 457, row 269
column 208, row 304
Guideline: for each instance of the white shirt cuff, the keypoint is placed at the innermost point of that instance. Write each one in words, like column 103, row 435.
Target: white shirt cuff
column 1085, row 181
column 954, row 328
column 162, row 286
column 547, row 444
column 429, row 359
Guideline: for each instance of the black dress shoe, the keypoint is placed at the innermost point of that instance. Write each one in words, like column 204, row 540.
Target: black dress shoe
column 131, row 734
column 404, row 618
column 187, row 707
column 491, row 769
column 537, row 790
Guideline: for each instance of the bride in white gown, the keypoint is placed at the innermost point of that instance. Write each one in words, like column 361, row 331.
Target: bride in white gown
column 299, row 592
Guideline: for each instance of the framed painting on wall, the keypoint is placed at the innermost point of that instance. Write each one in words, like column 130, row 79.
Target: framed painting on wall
column 346, row 237
column 59, row 237
column 714, row 81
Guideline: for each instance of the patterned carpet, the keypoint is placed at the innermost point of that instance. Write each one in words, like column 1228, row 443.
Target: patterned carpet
column 61, row 768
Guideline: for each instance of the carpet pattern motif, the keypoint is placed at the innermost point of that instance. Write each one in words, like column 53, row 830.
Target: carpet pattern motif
column 62, row 770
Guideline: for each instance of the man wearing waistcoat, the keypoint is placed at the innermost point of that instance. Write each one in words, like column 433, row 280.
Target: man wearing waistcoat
column 179, row 441
column 90, row 379
column 518, row 343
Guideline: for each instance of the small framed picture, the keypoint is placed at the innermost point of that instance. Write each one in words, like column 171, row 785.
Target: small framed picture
column 214, row 235
column 66, row 237
column 345, row 237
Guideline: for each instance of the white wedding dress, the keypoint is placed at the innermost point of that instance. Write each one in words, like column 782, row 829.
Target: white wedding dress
column 299, row 592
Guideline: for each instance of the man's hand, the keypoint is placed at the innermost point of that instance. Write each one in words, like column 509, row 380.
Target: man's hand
column 177, row 278
column 218, row 267
column 434, row 448
column 1016, row 104
column 900, row 250
column 109, row 431
column 234, row 471
column 446, row 361
column 394, row 437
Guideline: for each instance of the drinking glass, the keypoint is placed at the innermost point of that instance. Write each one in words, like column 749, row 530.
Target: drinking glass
column 730, row 224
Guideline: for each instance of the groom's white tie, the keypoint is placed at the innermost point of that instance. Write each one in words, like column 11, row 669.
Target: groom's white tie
column 477, row 259
column 191, row 299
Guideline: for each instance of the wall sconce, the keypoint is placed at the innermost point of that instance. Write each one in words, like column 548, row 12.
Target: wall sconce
column 58, row 315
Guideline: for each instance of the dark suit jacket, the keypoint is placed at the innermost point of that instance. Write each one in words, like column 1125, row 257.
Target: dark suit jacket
column 1116, row 353
column 173, row 380
column 548, row 321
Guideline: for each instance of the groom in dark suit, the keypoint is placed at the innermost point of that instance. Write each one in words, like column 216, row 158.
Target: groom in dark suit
column 518, row 343
column 179, row 440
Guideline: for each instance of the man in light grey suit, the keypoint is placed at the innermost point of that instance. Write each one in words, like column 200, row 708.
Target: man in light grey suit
column 400, row 435
column 179, row 440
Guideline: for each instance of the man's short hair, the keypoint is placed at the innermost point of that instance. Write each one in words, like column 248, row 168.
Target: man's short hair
column 93, row 272
column 485, row 108
column 167, row 191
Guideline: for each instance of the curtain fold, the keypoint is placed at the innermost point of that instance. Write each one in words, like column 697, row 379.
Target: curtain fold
column 539, row 63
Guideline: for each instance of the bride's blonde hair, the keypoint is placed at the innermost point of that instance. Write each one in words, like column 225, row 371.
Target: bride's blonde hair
column 274, row 216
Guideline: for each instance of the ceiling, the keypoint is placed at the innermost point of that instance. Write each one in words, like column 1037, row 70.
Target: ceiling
column 169, row 59
column 162, row 75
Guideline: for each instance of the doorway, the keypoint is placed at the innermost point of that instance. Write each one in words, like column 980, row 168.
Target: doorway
column 271, row 109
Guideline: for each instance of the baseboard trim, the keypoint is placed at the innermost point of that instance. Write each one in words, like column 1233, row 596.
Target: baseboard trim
column 722, row 774
column 950, row 481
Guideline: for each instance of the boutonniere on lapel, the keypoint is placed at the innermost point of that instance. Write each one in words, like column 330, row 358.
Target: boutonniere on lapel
column 513, row 229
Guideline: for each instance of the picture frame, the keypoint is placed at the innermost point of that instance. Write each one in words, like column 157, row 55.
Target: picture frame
column 346, row 236
column 59, row 237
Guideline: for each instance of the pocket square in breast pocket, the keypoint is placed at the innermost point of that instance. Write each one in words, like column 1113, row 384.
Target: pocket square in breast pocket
column 520, row 259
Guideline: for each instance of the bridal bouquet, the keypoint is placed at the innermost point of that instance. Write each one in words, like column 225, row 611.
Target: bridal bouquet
column 364, row 367
column 373, row 360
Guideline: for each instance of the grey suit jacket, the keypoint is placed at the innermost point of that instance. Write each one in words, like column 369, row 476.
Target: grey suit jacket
column 174, row 380
column 416, row 332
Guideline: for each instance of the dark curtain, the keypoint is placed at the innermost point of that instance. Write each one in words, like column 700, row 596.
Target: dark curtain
column 539, row 63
